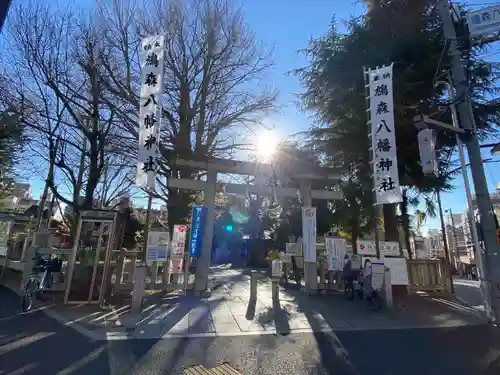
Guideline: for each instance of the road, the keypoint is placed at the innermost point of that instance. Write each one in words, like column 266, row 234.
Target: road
column 469, row 292
column 35, row 344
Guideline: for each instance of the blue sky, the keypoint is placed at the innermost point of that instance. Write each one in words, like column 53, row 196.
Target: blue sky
column 288, row 25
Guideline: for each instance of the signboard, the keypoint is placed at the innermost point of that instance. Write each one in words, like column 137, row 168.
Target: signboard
column 151, row 254
column 159, row 238
column 309, row 234
column 385, row 162
column 399, row 270
column 179, row 233
column 335, row 252
column 484, row 22
column 294, row 249
column 158, row 243
column 285, row 257
column 377, row 272
column 152, row 53
column 198, row 218
column 427, row 149
column 355, row 262
column 364, row 247
column 177, row 248
column 387, row 248
column 397, row 267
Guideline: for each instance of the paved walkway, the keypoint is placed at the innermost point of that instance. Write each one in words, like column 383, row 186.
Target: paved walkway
column 230, row 312
column 356, row 341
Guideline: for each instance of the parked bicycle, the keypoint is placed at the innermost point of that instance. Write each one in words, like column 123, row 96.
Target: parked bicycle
column 40, row 280
column 371, row 295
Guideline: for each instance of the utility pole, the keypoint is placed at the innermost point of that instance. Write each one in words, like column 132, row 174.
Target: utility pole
column 455, row 240
column 490, row 258
column 445, row 240
column 463, row 166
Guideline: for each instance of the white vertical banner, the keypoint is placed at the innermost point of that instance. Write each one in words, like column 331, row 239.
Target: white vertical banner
column 335, row 252
column 385, row 162
column 309, row 234
column 152, row 52
column 178, row 248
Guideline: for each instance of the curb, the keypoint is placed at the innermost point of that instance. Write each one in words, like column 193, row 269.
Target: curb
column 120, row 336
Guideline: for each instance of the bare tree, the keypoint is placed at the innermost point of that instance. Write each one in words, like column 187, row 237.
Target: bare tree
column 54, row 57
column 116, row 181
column 215, row 88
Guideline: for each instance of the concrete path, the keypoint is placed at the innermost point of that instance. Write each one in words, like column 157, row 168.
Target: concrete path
column 230, row 312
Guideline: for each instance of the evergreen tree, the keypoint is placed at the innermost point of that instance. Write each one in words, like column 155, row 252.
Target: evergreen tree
column 408, row 34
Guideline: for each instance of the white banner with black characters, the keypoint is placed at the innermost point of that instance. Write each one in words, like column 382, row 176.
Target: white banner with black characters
column 335, row 253
column 309, row 234
column 152, row 56
column 385, row 162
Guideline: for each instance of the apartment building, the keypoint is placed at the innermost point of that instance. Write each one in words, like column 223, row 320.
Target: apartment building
column 21, row 200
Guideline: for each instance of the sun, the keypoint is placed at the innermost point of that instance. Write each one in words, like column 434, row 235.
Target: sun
column 266, row 145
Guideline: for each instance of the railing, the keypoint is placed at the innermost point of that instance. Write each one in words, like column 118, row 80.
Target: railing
column 428, row 276
column 120, row 271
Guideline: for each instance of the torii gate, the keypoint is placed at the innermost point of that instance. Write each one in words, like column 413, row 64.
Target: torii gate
column 304, row 174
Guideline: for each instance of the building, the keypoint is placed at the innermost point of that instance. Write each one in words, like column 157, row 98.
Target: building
column 20, row 200
column 434, row 244
column 458, row 236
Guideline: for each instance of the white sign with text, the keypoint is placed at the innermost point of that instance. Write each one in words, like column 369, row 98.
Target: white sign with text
column 309, row 234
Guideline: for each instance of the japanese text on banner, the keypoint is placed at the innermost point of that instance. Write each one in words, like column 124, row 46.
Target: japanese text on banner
column 198, row 216
column 385, row 163
column 152, row 57
column 309, row 234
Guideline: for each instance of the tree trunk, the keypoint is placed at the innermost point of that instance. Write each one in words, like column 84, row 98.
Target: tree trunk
column 390, row 222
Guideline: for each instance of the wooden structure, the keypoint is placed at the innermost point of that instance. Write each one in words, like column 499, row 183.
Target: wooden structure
column 428, row 276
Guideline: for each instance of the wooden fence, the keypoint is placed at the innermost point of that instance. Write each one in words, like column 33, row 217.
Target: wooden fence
column 428, row 276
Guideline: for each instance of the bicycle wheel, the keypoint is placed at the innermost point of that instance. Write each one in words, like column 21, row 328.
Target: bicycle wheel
column 375, row 302
column 29, row 295
column 349, row 291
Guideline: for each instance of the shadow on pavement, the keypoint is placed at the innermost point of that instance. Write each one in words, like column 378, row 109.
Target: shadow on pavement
column 250, row 313
column 33, row 343
column 472, row 349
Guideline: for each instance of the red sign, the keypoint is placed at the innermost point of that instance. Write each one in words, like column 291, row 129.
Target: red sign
column 181, row 229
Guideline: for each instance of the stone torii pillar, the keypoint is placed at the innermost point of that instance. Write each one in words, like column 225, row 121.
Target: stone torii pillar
column 307, row 194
